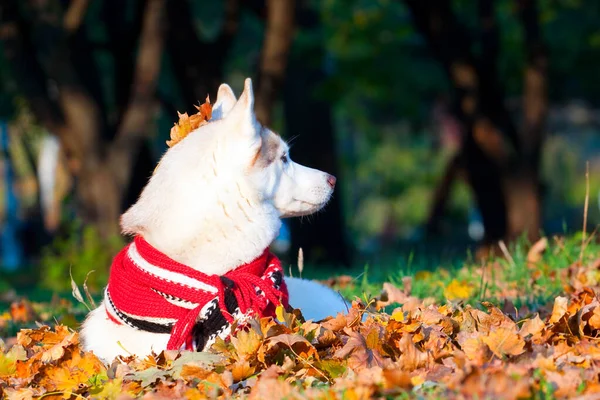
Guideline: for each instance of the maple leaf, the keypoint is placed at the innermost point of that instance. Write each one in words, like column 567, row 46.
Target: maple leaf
column 396, row 378
column 532, row 326
column 363, row 351
column 19, row 394
column 242, row 370
column 246, row 343
column 296, row 343
column 473, row 347
column 503, row 341
column 110, row 389
column 72, row 373
column 187, row 123
column 333, row 368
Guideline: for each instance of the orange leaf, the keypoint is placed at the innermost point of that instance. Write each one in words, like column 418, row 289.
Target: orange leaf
column 242, row 370
column 188, row 124
column 594, row 320
column 504, row 341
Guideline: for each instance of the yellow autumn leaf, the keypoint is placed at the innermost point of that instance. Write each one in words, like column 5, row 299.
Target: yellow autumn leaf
column 246, row 343
column 458, row 290
column 279, row 312
column 397, row 315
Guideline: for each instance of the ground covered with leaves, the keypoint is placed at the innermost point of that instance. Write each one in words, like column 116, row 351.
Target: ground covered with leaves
column 395, row 344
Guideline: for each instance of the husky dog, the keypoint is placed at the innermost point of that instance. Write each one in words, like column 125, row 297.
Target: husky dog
column 214, row 203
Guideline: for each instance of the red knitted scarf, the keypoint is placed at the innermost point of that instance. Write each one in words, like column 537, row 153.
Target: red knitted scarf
column 149, row 291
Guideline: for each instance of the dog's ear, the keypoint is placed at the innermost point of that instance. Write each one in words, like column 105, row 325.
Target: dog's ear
column 225, row 102
column 243, row 112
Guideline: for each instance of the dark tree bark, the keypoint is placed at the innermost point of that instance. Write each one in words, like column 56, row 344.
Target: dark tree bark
column 279, row 32
column 524, row 188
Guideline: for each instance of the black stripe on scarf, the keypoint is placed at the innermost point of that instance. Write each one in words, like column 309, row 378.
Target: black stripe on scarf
column 141, row 324
column 214, row 322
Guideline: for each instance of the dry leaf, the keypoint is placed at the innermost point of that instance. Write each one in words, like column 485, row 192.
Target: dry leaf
column 188, row 124
column 504, row 342
column 559, row 310
column 532, row 326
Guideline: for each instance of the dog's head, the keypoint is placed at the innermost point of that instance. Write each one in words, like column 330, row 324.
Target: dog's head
column 293, row 189
column 229, row 179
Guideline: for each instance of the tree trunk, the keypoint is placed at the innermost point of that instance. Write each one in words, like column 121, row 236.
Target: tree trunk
column 524, row 188
column 279, row 32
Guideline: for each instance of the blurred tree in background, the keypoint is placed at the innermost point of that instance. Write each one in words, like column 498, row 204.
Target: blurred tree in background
column 436, row 115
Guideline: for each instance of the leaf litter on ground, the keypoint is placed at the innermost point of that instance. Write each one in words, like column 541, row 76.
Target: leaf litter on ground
column 395, row 344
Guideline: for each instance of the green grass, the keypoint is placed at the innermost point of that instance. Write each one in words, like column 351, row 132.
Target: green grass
column 493, row 280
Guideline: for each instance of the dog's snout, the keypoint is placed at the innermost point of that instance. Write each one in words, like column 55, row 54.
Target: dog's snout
column 331, row 180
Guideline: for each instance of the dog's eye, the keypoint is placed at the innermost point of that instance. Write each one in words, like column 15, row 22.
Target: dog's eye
column 284, row 159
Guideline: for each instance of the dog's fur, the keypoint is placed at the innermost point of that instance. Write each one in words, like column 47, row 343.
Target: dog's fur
column 215, row 203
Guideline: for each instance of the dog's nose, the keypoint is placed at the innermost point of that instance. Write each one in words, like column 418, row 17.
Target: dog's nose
column 331, row 180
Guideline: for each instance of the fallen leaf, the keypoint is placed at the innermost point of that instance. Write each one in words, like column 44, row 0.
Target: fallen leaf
column 458, row 290
column 504, row 342
column 559, row 310
column 360, row 352
column 532, row 326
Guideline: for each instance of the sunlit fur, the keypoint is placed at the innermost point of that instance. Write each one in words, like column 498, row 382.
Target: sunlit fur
column 215, row 203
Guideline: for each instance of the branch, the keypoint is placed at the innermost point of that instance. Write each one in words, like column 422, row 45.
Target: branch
column 279, row 32
column 139, row 113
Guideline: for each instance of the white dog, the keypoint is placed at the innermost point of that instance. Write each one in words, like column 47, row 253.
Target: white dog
column 202, row 222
